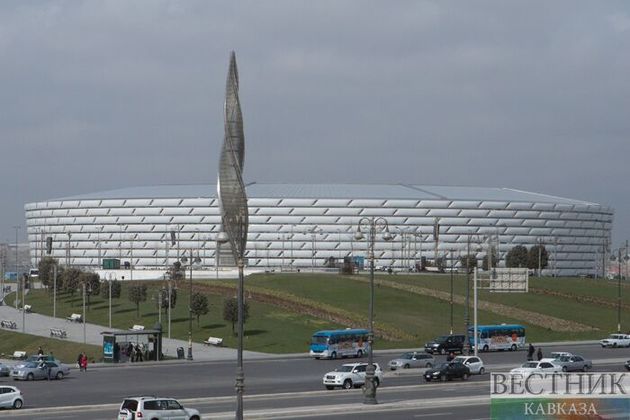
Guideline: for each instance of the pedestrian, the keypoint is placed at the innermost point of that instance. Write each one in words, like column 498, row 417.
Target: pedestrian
column 116, row 352
column 539, row 354
column 79, row 360
column 138, row 353
column 530, row 352
column 84, row 363
column 450, row 357
column 40, row 352
column 131, row 353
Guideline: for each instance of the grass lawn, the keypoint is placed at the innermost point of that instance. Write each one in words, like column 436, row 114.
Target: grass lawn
column 66, row 351
column 273, row 329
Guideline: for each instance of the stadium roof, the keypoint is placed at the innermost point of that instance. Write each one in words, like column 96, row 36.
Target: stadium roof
column 351, row 191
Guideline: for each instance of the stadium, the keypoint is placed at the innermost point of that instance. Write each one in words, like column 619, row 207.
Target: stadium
column 300, row 226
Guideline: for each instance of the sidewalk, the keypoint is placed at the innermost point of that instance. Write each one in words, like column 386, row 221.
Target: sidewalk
column 40, row 325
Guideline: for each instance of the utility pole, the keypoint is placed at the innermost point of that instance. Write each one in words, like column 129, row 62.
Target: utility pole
column 17, row 270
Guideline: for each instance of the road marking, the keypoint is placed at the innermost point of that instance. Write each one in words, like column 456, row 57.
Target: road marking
column 432, row 414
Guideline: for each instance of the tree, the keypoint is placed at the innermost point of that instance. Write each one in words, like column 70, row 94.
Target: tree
column 165, row 303
column 491, row 259
column 348, row 266
column 176, row 272
column 71, row 280
column 199, row 305
column 92, row 283
column 116, row 289
column 532, row 257
column 137, row 294
column 46, row 267
column 517, row 257
column 469, row 261
column 230, row 311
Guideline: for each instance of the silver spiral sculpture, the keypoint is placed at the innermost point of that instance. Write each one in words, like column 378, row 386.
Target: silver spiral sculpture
column 231, row 189
column 233, row 204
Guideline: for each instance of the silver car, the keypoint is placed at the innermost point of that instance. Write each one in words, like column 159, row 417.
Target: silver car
column 45, row 370
column 412, row 359
column 5, row 370
column 10, row 397
column 573, row 363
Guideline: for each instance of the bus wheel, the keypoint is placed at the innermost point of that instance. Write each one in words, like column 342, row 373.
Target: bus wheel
column 333, row 355
column 513, row 348
column 486, row 348
column 360, row 353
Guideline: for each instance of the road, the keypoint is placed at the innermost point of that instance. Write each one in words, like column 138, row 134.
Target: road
column 278, row 384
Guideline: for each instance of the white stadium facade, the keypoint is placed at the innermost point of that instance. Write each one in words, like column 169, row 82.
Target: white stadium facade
column 302, row 226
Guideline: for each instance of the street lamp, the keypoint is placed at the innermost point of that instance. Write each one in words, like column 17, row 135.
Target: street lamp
column 371, row 225
column 626, row 257
column 313, row 232
column 191, row 262
column 467, row 308
column 17, row 271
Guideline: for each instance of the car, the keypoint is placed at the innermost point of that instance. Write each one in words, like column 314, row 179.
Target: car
column 541, row 366
column 573, row 363
column 38, row 359
column 446, row 344
column 158, row 408
column 412, row 359
column 627, row 365
column 5, row 370
column 11, row 397
column 447, row 371
column 616, row 340
column 351, row 375
column 32, row 370
column 474, row 363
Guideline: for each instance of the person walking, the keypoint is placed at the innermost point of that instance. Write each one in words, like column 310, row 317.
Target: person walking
column 450, row 357
column 539, row 355
column 131, row 353
column 530, row 352
column 84, row 362
column 79, row 360
column 40, row 352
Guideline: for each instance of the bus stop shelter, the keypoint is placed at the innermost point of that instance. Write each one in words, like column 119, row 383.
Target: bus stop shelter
column 117, row 343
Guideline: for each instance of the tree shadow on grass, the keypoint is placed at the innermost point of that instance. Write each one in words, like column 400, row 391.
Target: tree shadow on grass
column 254, row 332
column 179, row 320
column 123, row 311
column 105, row 306
column 213, row 326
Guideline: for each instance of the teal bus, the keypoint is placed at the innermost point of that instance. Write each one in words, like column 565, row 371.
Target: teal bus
column 498, row 337
column 331, row 344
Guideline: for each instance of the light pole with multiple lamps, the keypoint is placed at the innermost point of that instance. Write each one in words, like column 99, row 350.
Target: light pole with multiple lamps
column 191, row 261
column 619, row 259
column 371, row 225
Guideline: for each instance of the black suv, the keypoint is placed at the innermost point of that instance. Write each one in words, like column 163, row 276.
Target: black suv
column 446, row 344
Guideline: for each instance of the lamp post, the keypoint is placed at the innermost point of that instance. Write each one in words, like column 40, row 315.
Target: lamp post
column 17, row 271
column 451, row 299
column 371, row 225
column 313, row 232
column 109, row 295
column 625, row 258
column 192, row 261
column 467, row 308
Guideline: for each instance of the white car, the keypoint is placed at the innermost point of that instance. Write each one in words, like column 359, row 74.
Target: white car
column 158, row 408
column 616, row 340
column 11, row 397
column 351, row 375
column 474, row 363
column 528, row 368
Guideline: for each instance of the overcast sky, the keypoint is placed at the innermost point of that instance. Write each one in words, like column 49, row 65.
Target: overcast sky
column 98, row 95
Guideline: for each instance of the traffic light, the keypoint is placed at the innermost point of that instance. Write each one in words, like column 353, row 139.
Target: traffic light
column 49, row 245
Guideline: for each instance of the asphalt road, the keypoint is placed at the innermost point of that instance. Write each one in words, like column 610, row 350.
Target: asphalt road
column 274, row 384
